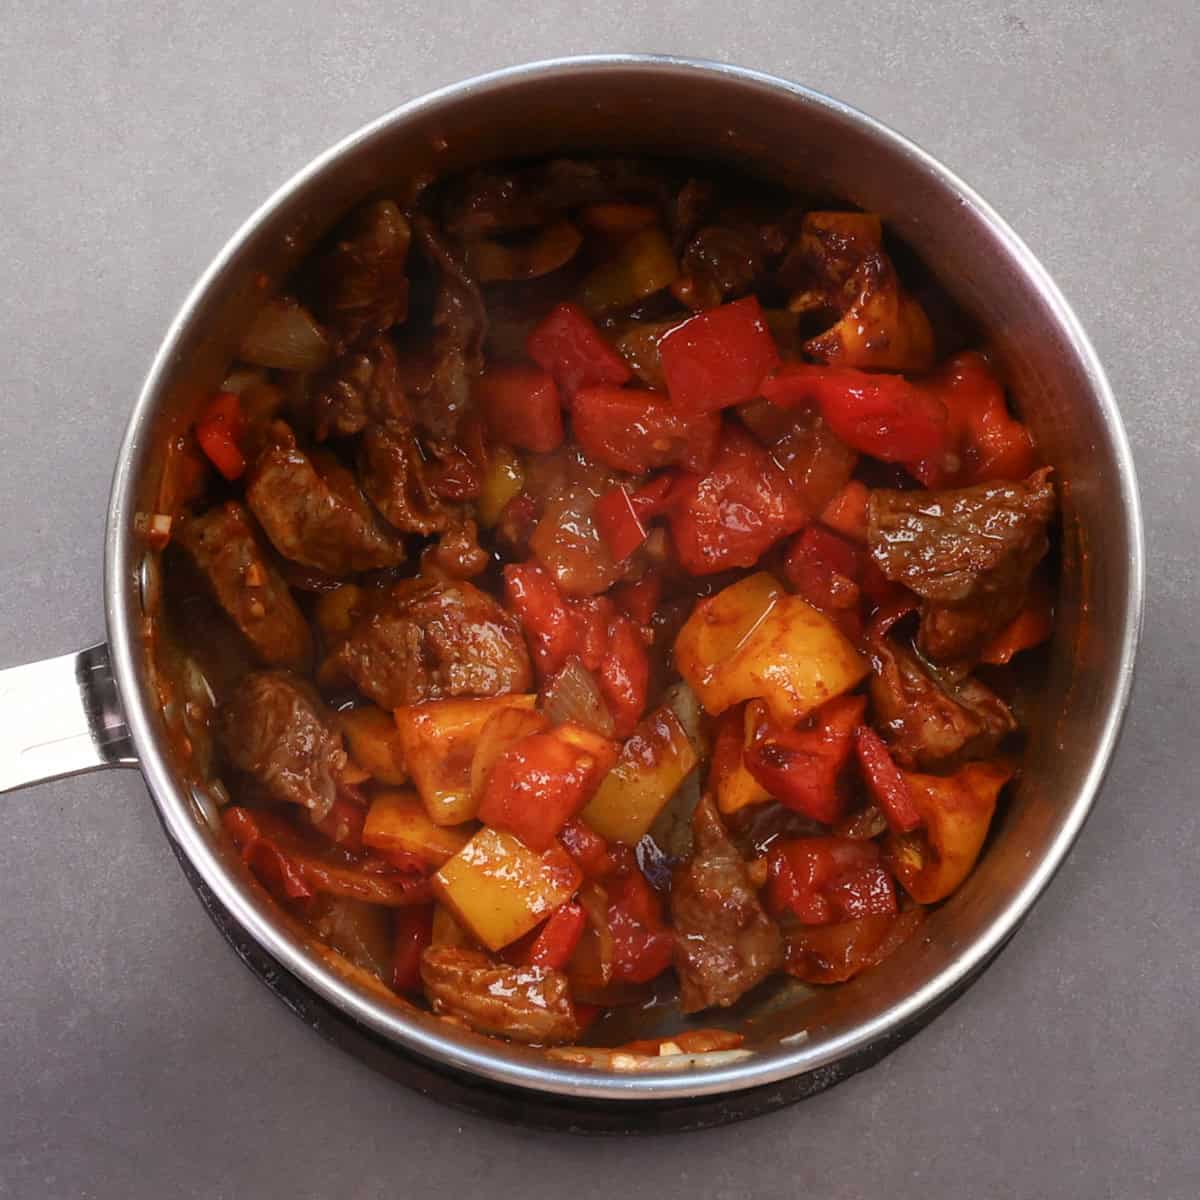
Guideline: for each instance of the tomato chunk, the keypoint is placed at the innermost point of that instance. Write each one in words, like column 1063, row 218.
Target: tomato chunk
column 521, row 407
column 719, row 357
column 734, row 513
column 542, row 609
column 543, row 781
column 800, row 767
column 884, row 416
column 568, row 345
column 821, row 880
column 555, row 942
column 642, row 944
column 635, row 430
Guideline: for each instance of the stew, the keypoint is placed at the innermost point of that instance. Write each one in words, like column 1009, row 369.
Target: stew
column 598, row 584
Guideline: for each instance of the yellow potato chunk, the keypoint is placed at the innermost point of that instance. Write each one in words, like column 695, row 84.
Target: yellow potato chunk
column 654, row 761
column 374, row 743
column 755, row 641
column 438, row 739
column 500, row 889
column 397, row 820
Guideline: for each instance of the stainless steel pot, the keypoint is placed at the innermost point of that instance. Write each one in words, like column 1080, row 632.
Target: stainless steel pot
column 100, row 708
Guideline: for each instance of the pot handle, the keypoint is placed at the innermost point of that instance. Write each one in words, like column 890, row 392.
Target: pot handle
column 61, row 716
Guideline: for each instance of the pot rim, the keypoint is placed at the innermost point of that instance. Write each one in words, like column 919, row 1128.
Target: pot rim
column 176, row 809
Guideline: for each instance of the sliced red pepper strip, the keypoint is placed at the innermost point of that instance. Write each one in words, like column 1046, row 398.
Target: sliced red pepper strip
column 719, row 357
column 568, row 345
column 625, row 675
column 542, row 610
column 413, row 931
column 521, row 407
column 556, row 940
column 218, row 432
column 884, row 416
column 619, row 523
column 885, row 781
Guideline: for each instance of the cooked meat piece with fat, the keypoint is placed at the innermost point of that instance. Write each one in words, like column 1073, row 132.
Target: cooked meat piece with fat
column 725, row 943
column 434, row 639
column 223, row 545
column 927, row 724
column 394, row 475
column 276, row 730
column 362, row 283
column 967, row 552
column 526, row 1004
column 313, row 511
column 362, row 387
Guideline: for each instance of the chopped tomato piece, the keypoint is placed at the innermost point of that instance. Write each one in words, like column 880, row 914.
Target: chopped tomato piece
column 835, row 953
column 534, row 596
column 642, row 946
column 719, row 357
column 885, row 781
column 820, row 880
column 218, row 432
column 639, row 600
column 587, row 848
column 413, row 931
column 521, row 407
column 800, row 767
column 825, row 568
column 618, row 523
column 884, row 416
column 985, row 441
column 569, row 346
column 625, row 675
column 543, row 781
column 555, row 942
column 730, row 516
column 634, row 430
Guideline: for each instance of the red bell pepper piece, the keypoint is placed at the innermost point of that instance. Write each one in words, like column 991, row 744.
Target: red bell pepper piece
column 825, row 568
column 821, row 880
column 521, row 407
column 847, row 511
column 543, row 612
column 885, row 781
column 800, row 767
column 536, row 787
column 732, row 515
column 635, row 430
column 254, row 834
column 718, row 358
column 568, row 345
column 642, row 945
column 587, row 848
column 219, row 431
column 555, row 942
column 343, row 824
column 413, row 931
column 985, row 441
column 884, row 416
column 618, row 523
column 639, row 600
column 591, row 616
column 625, row 675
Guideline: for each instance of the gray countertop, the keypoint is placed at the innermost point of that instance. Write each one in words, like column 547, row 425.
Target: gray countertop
column 138, row 1058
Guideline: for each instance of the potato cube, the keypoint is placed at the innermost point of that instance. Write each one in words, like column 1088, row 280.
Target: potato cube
column 753, row 640
column 374, row 743
column 654, row 761
column 500, row 889
column 438, row 739
column 397, row 820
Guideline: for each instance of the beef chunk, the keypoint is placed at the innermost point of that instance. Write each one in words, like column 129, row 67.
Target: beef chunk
column 928, row 724
column 313, row 511
column 968, row 553
column 720, row 263
column 526, row 1004
column 430, row 639
column 460, row 326
column 247, row 585
column 724, row 943
column 276, row 730
column 395, row 475
column 362, row 387
column 362, row 284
